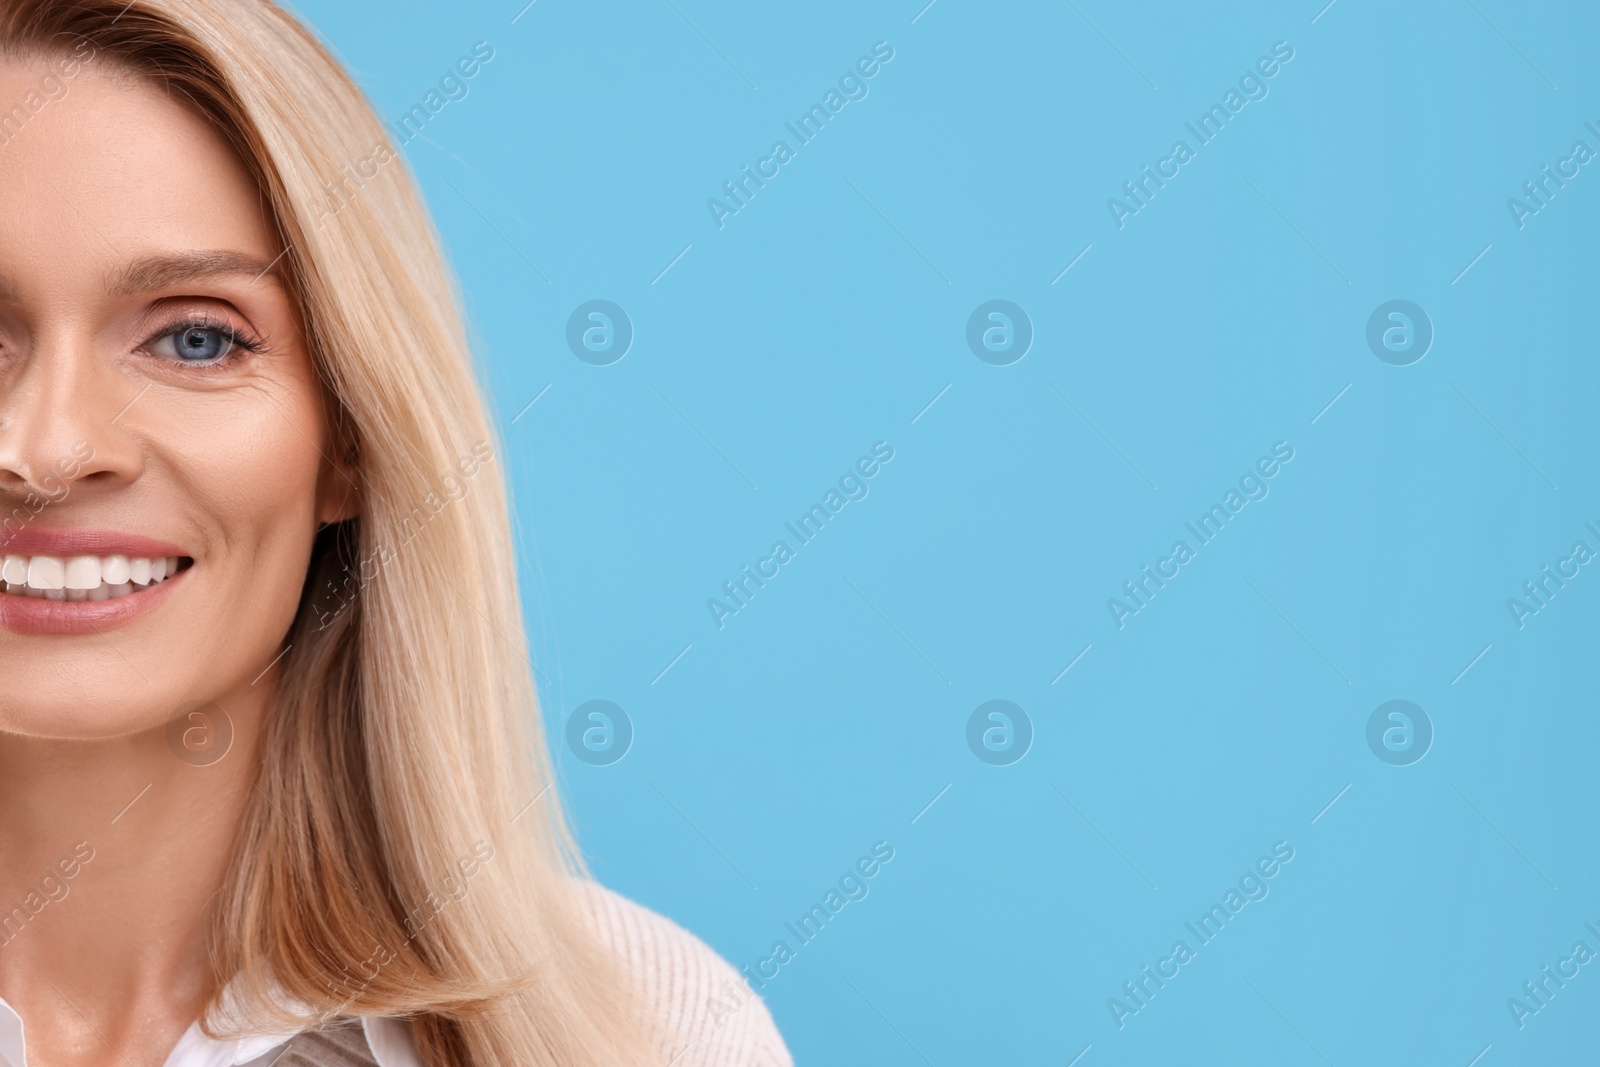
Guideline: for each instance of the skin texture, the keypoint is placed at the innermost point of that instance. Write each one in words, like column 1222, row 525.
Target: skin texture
column 228, row 463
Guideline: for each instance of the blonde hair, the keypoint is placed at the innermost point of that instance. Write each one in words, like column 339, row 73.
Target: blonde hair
column 403, row 854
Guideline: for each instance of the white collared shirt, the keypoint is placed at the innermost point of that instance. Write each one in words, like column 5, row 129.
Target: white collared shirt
column 389, row 1040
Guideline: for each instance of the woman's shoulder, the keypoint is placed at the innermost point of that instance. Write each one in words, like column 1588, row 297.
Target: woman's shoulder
column 710, row 1014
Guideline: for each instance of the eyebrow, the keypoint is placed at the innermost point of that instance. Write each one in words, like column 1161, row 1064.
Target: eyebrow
column 164, row 272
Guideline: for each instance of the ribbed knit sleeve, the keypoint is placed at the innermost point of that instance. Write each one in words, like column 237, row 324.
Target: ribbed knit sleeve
column 708, row 1015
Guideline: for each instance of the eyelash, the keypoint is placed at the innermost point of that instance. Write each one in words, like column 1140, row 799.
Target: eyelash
column 235, row 338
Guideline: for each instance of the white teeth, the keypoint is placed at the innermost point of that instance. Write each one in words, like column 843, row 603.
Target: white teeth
column 83, row 572
column 47, row 572
column 82, row 578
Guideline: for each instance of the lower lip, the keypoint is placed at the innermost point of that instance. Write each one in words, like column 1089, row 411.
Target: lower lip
column 37, row 615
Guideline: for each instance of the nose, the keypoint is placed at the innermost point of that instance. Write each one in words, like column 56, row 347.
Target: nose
column 61, row 431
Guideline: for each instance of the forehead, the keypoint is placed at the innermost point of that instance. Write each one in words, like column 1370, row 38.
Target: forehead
column 101, row 171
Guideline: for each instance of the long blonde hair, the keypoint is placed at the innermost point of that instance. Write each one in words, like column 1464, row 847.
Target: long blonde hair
column 403, row 854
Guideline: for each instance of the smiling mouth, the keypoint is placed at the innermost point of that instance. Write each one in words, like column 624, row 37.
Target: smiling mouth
column 84, row 578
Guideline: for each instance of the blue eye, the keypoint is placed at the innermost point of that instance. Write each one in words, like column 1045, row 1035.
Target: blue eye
column 200, row 344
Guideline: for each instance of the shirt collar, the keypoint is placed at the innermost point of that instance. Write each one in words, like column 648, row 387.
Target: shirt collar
column 389, row 1039
column 11, row 1048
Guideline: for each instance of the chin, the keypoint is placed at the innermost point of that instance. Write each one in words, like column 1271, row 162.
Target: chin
column 90, row 712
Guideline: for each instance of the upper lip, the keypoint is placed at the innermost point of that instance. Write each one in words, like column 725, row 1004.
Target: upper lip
column 43, row 541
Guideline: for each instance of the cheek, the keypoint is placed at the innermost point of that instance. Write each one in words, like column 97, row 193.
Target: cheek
column 250, row 464
column 245, row 464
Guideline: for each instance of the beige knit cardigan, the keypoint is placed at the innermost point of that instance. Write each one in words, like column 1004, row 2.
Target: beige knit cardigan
column 709, row 1016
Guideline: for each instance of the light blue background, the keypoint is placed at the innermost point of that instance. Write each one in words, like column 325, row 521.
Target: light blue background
column 1223, row 318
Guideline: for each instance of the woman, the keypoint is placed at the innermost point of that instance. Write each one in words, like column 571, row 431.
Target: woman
column 270, row 784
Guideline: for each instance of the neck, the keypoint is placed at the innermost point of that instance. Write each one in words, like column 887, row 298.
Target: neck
column 110, row 854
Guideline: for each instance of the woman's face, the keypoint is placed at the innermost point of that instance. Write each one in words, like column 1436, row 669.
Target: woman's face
column 156, row 401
